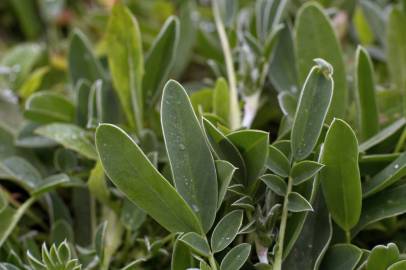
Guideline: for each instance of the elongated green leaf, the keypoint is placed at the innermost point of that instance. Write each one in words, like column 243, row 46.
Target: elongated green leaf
column 315, row 37
column 383, row 135
column 396, row 50
column 313, row 106
column 46, row 107
column 225, row 171
column 181, row 256
column 365, row 85
column 387, row 203
column 393, row 172
column 304, row 170
column 132, row 172
column 81, row 60
column 376, row 18
column 236, row 257
column 194, row 175
column 71, row 137
column 21, row 171
column 50, row 183
column 10, row 217
column 283, row 69
column 253, row 146
column 297, row 203
column 126, row 62
column 197, row 243
column 382, row 257
column 275, row 183
column 340, row 178
column 314, row 239
column 221, row 100
column 224, row 149
column 277, row 162
column 226, row 230
column 341, row 256
column 159, row 59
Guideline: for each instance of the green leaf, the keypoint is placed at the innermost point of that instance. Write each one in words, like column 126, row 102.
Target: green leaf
column 50, row 183
column 341, row 256
column 10, row 217
column 365, row 86
column 131, row 171
column 33, row 82
column 81, row 60
column 340, row 178
column 381, row 257
column 236, row 257
column 70, row 136
column 100, row 240
column 297, row 203
column 275, row 183
column 396, row 50
column 19, row 170
column 46, row 107
column 226, row 230
column 304, row 170
column 181, row 256
column 392, row 173
column 194, row 175
column 383, row 135
column 253, row 146
column 387, row 203
column 283, row 69
column 314, row 238
column 126, row 62
column 315, row 37
column 224, row 149
column 376, row 18
column 398, row 265
column 221, row 101
column 288, row 104
column 197, row 243
column 159, row 60
column 314, row 102
column 23, row 56
column 83, row 90
column 277, row 162
column 225, row 172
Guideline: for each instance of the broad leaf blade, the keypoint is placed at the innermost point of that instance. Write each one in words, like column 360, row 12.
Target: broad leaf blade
column 70, row 136
column 340, row 178
column 192, row 164
column 226, row 230
column 365, row 86
column 315, row 37
column 132, row 172
column 126, row 62
column 236, row 257
column 313, row 106
column 159, row 59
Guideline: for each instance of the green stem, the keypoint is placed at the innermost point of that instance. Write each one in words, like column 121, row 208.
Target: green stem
column 348, row 236
column 213, row 263
column 282, row 229
column 234, row 107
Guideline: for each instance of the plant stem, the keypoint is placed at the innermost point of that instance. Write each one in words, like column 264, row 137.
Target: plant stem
column 348, row 236
column 282, row 228
column 235, row 114
column 213, row 263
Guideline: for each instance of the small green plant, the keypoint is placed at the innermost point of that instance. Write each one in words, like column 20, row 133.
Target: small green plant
column 56, row 258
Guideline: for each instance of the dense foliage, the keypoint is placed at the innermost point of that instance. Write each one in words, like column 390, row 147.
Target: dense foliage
column 212, row 135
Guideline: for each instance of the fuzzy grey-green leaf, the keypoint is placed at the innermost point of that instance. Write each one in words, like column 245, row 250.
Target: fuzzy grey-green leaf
column 194, row 174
